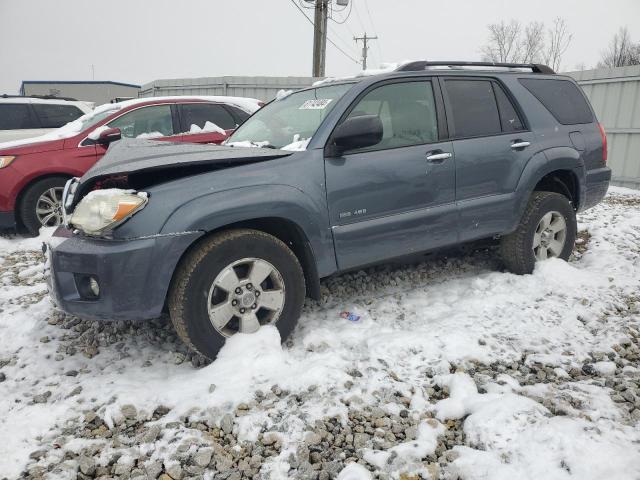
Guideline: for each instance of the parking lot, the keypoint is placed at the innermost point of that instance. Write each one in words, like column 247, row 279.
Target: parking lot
column 454, row 369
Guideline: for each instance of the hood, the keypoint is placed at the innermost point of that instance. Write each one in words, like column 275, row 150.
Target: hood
column 146, row 162
column 23, row 147
column 136, row 155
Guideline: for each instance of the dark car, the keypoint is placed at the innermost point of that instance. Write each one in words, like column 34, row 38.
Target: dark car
column 347, row 174
column 33, row 171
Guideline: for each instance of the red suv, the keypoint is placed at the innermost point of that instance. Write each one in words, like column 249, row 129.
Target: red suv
column 33, row 171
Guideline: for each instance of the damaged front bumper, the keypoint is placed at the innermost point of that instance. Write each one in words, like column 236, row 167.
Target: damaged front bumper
column 104, row 279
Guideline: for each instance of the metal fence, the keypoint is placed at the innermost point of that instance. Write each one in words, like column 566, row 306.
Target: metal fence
column 615, row 96
column 262, row 88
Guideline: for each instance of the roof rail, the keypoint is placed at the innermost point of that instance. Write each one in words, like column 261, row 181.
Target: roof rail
column 42, row 97
column 425, row 65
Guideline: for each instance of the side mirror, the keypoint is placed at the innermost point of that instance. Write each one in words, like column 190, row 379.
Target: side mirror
column 105, row 135
column 357, row 132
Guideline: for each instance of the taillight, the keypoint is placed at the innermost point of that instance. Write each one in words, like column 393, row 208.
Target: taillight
column 603, row 134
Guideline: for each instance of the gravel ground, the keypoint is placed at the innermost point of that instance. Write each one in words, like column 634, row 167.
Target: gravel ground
column 59, row 373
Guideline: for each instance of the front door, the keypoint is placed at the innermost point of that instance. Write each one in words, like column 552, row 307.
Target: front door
column 397, row 197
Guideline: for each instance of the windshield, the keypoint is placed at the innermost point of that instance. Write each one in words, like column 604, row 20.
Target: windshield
column 95, row 117
column 291, row 121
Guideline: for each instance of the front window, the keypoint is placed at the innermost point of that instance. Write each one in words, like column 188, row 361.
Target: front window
column 289, row 122
column 145, row 122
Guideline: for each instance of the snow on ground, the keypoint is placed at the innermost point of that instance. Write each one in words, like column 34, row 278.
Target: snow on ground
column 455, row 369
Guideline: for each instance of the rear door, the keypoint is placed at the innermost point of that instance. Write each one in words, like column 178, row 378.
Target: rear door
column 397, row 197
column 491, row 144
column 205, row 122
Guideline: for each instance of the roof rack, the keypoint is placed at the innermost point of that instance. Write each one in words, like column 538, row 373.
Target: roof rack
column 425, row 65
column 42, row 97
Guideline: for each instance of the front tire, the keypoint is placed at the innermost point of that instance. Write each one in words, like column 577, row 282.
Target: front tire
column 235, row 281
column 547, row 229
column 41, row 204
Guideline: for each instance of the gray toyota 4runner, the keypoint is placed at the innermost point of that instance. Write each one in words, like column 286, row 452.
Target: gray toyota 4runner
column 343, row 174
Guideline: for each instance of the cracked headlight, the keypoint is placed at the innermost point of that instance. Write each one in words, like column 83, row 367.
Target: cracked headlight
column 103, row 210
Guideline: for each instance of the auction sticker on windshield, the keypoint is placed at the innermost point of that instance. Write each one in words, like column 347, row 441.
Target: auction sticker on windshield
column 318, row 104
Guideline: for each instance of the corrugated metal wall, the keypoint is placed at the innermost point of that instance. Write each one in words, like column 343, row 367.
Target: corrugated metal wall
column 615, row 96
column 262, row 88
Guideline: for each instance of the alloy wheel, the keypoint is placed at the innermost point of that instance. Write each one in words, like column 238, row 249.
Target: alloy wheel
column 245, row 295
column 49, row 207
column 550, row 236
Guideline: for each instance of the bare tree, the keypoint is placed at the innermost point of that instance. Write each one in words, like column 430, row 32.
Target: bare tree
column 622, row 51
column 532, row 44
column 559, row 41
column 510, row 42
column 504, row 44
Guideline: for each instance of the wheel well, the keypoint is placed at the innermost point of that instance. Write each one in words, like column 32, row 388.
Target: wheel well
column 21, row 193
column 563, row 182
column 294, row 237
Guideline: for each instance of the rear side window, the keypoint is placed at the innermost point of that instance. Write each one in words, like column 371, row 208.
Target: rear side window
column 562, row 98
column 55, row 116
column 240, row 115
column 509, row 118
column 16, row 116
column 199, row 114
column 473, row 107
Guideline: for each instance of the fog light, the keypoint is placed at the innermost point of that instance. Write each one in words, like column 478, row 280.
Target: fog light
column 94, row 286
column 88, row 286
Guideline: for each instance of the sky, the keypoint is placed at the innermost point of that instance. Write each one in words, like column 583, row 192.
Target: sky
column 137, row 41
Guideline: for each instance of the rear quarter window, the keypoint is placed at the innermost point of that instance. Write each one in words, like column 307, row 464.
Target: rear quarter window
column 55, row 116
column 562, row 98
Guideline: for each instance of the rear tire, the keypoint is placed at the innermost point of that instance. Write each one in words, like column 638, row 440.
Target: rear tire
column 42, row 201
column 219, row 272
column 547, row 229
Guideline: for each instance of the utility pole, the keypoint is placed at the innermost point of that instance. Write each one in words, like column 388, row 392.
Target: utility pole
column 93, row 71
column 365, row 48
column 320, row 37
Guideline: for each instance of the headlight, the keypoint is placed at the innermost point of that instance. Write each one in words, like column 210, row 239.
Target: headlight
column 6, row 160
column 103, row 210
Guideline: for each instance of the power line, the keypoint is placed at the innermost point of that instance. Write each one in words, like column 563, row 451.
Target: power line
column 295, row 4
column 375, row 30
column 345, row 44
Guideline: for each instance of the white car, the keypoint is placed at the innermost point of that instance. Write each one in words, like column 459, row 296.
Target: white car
column 26, row 117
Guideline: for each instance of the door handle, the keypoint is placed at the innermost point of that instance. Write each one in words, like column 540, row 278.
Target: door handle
column 519, row 144
column 438, row 157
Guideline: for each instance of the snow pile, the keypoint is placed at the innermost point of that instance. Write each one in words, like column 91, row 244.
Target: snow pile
column 384, row 68
column 511, row 436
column 246, row 144
column 95, row 135
column 298, row 144
column 208, row 127
column 545, row 382
column 147, row 135
column 72, row 129
column 282, row 94
column 69, row 130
